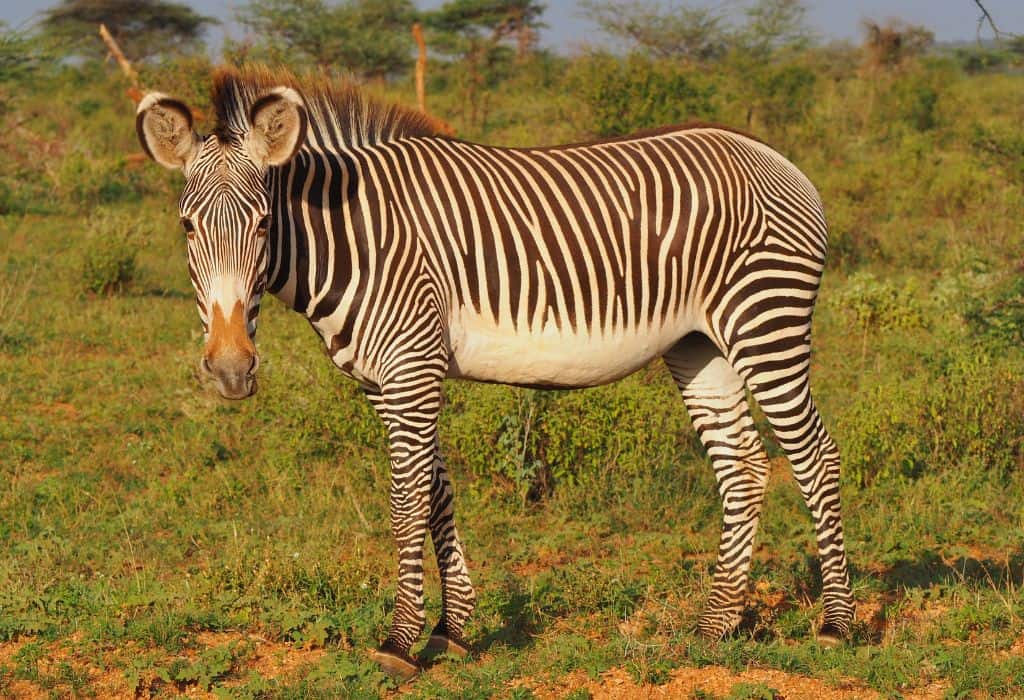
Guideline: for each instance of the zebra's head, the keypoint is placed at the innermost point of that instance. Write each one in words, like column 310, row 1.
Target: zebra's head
column 225, row 211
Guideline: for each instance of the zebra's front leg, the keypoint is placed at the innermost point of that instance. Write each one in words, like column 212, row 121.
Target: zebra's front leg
column 715, row 397
column 410, row 410
column 457, row 592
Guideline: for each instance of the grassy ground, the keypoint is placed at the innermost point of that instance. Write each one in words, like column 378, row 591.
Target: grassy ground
column 158, row 540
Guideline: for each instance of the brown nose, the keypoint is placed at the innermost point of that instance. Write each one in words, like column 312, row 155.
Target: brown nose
column 230, row 356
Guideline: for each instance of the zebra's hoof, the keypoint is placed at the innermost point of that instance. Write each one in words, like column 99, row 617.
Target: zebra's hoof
column 397, row 664
column 440, row 644
column 830, row 636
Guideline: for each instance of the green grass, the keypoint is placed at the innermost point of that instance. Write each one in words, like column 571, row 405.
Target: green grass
column 157, row 539
column 139, row 510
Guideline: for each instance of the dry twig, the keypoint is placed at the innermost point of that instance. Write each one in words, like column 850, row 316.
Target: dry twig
column 996, row 31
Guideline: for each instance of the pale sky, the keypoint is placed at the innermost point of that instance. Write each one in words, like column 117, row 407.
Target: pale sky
column 833, row 19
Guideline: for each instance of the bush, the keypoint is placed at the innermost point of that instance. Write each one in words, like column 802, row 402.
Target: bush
column 778, row 95
column 109, row 252
column 624, row 96
column 878, row 304
column 1001, row 146
column 999, row 315
column 575, row 442
column 963, row 414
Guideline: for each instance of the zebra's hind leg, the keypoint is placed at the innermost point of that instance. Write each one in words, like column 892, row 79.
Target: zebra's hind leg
column 785, row 397
column 457, row 592
column 715, row 396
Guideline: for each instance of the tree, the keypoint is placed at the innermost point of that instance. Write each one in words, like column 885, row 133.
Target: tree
column 488, row 23
column 693, row 34
column 478, row 33
column 143, row 28
column 20, row 56
column 701, row 34
column 773, row 25
column 367, row 37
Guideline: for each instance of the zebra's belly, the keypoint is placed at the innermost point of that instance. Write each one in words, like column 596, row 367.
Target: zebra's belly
column 484, row 351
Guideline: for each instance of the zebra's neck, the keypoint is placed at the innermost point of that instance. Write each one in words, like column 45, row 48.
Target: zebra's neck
column 320, row 260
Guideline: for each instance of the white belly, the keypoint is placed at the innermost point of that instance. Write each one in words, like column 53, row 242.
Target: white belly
column 485, row 351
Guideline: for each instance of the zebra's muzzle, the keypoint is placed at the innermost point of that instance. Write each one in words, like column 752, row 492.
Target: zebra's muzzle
column 230, row 356
column 234, row 377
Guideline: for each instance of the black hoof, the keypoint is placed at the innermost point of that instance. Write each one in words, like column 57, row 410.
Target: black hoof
column 395, row 663
column 830, row 636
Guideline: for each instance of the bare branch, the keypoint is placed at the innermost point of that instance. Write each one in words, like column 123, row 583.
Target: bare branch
column 421, row 67
column 115, row 50
column 996, row 31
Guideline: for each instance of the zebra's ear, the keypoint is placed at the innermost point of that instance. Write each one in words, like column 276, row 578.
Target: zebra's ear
column 164, row 126
column 278, row 122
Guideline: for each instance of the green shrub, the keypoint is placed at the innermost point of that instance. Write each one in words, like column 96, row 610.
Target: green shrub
column 631, row 433
column 624, row 96
column 880, row 304
column 87, row 179
column 999, row 315
column 1002, row 145
column 779, row 94
column 109, row 251
column 914, row 98
column 961, row 410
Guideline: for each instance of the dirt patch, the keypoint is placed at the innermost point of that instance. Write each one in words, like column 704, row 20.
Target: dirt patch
column 617, row 684
column 684, row 682
column 60, row 660
column 58, row 409
column 269, row 659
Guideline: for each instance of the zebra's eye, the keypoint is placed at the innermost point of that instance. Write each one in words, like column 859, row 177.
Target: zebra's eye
column 190, row 229
column 263, row 226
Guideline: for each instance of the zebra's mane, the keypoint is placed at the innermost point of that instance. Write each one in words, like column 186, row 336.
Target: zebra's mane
column 337, row 108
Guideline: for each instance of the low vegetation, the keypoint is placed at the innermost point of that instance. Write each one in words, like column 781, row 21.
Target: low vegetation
column 156, row 539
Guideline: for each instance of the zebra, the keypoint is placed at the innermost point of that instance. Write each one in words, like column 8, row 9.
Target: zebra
column 417, row 257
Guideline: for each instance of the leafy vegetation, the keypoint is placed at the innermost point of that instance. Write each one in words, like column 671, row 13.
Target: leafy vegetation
column 157, row 540
column 368, row 37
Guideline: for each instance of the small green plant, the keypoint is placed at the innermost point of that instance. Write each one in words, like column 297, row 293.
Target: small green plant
column 753, row 691
column 109, row 252
column 211, row 665
column 27, row 660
